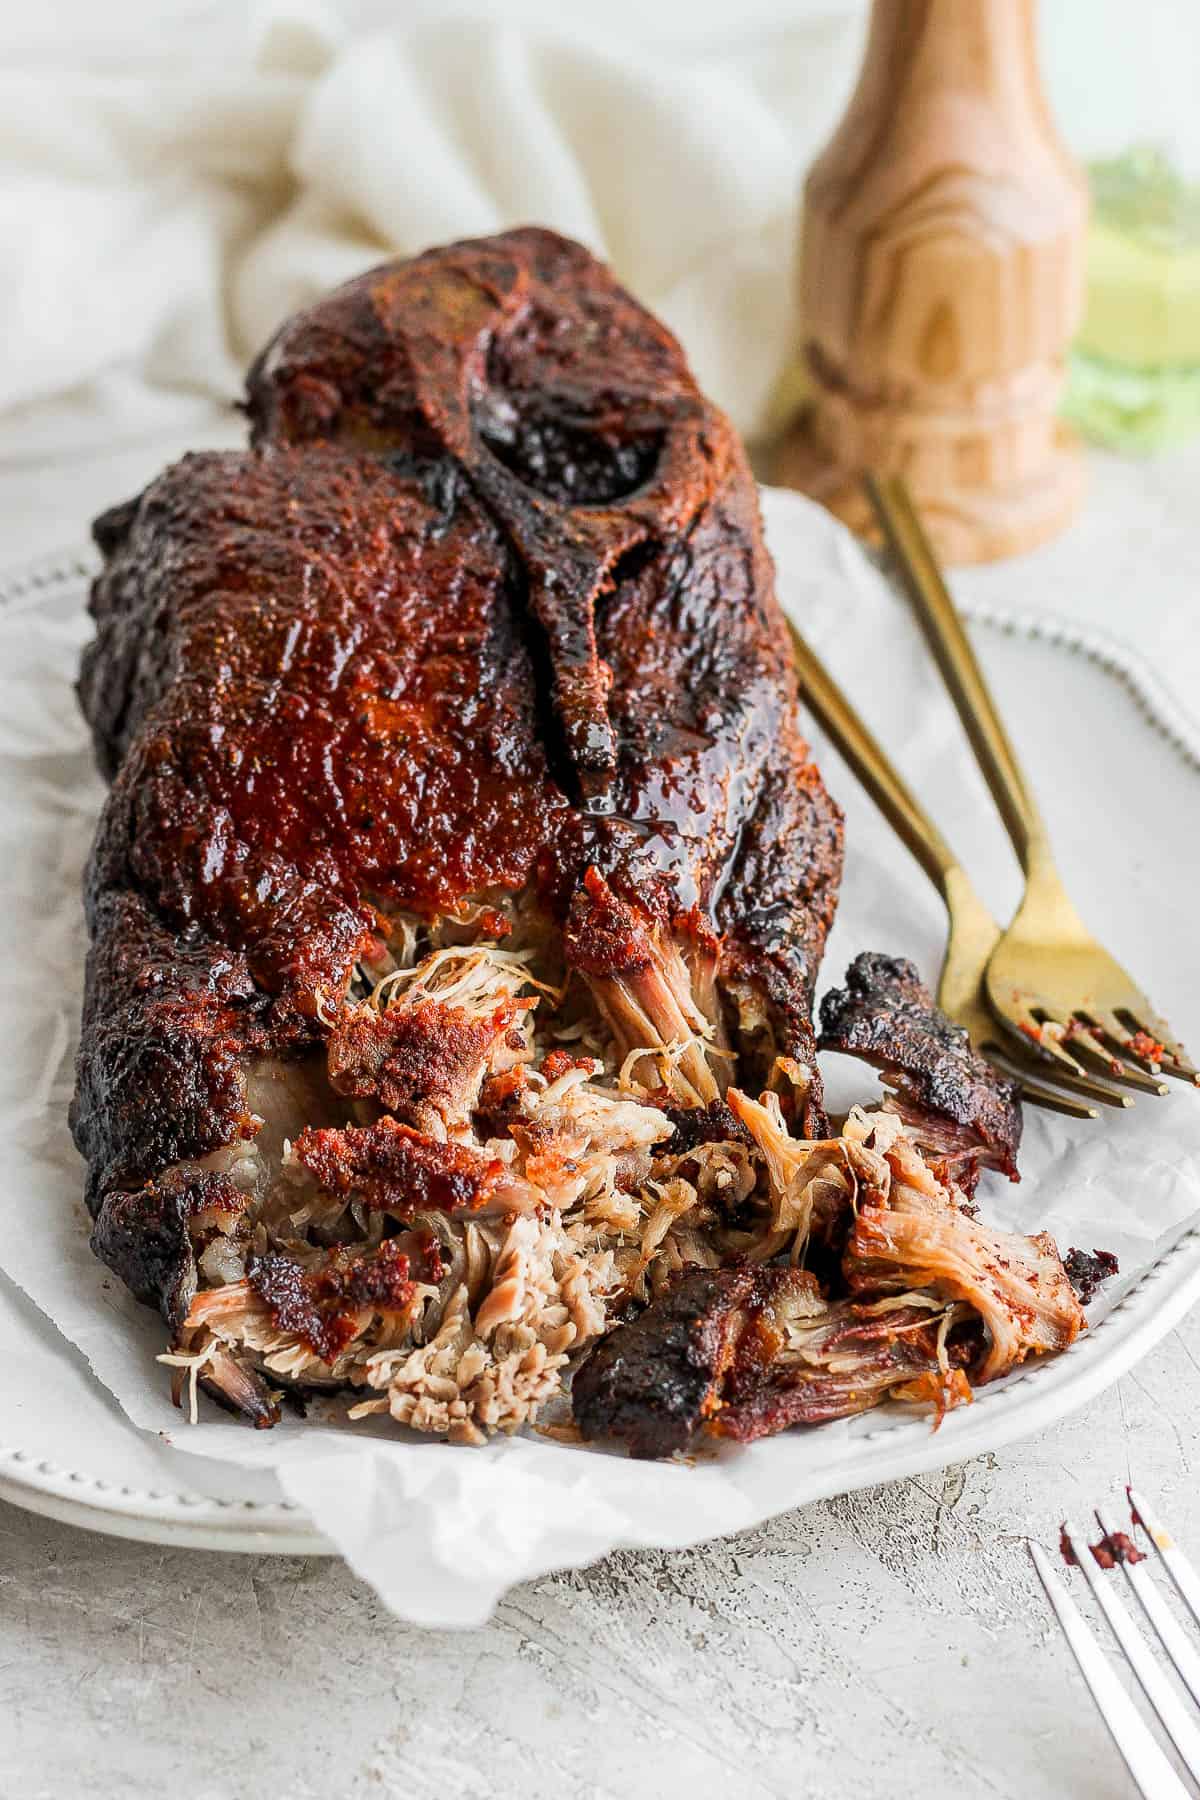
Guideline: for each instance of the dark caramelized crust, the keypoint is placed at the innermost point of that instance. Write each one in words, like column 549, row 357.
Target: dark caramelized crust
column 391, row 1166
column 652, row 1383
column 887, row 1016
column 776, row 910
column 168, row 1016
column 308, row 672
column 142, row 1235
column 661, row 669
column 487, row 606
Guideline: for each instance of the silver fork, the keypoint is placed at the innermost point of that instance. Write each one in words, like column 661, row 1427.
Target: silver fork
column 1144, row 1758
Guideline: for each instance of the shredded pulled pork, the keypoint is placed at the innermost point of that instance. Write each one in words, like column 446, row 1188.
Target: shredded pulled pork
column 806, row 1181
column 422, row 1043
column 491, row 1369
column 528, row 1167
column 910, row 1232
column 837, row 1358
column 930, row 1302
column 485, row 1171
column 640, row 978
column 745, row 1352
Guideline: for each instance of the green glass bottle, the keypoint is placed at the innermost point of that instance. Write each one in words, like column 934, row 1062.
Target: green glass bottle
column 1134, row 375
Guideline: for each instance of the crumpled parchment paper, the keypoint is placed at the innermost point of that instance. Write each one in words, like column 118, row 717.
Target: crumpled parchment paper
column 441, row 1532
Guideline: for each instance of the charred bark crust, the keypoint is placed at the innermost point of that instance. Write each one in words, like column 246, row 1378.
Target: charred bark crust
column 886, row 1015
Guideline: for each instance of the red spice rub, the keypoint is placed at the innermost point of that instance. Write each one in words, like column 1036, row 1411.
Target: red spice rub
column 428, row 1053
column 324, row 1307
column 394, row 1167
column 604, row 934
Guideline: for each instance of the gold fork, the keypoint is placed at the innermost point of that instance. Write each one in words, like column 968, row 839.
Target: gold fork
column 973, row 933
column 1049, row 982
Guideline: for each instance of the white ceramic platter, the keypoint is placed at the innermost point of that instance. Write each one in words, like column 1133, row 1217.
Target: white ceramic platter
column 1115, row 763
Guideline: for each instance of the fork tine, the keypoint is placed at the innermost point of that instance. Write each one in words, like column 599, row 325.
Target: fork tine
column 1175, row 1059
column 1177, row 1565
column 1054, row 1100
column 1128, row 1076
column 1046, row 1031
column 1166, row 1702
column 1173, row 1638
column 1035, row 1092
column 1083, row 1040
column 1106, row 1022
column 1143, row 1757
column 1025, row 1029
column 1054, row 1061
column 1080, row 1083
column 1158, row 1052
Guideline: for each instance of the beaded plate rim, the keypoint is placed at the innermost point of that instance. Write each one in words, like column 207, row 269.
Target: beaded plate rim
column 1143, row 1316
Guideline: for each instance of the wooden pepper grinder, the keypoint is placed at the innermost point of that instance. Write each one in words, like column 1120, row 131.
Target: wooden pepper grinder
column 941, row 284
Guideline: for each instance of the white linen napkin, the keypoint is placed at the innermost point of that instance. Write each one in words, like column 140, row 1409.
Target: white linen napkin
column 177, row 175
column 162, row 216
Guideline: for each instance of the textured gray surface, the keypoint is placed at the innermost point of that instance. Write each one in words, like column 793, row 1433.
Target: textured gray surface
column 893, row 1637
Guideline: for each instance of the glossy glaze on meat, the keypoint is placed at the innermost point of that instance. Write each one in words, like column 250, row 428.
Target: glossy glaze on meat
column 484, row 612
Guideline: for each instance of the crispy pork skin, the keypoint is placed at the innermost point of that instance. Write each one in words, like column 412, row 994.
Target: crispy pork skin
column 960, row 1108
column 478, row 641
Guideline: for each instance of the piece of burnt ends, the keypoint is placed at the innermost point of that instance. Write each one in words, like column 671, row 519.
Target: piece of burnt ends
column 1087, row 1270
column 962, row 1112
column 652, row 1382
column 746, row 1352
column 485, row 610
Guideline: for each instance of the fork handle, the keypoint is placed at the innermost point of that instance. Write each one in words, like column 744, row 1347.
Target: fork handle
column 944, row 629
column 873, row 767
